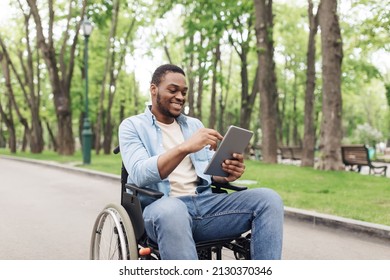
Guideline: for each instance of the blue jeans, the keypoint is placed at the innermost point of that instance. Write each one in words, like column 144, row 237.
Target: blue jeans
column 175, row 224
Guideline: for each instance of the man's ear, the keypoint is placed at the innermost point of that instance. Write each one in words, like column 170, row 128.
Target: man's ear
column 153, row 89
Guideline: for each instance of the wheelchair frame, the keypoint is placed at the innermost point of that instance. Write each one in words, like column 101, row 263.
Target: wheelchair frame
column 119, row 232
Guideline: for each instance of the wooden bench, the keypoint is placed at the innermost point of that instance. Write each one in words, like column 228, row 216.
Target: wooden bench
column 290, row 153
column 285, row 153
column 296, row 153
column 356, row 156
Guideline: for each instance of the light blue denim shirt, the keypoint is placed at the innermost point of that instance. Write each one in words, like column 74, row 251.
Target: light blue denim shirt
column 140, row 142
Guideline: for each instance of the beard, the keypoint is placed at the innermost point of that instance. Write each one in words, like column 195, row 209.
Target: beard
column 163, row 109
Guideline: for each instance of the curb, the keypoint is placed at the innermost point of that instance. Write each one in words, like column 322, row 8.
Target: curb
column 66, row 167
column 312, row 217
column 336, row 222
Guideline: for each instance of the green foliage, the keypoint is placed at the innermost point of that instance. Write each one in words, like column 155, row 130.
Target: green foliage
column 387, row 86
column 170, row 24
column 291, row 39
column 374, row 25
column 365, row 134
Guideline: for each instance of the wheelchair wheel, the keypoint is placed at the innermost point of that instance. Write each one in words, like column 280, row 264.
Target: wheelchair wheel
column 113, row 235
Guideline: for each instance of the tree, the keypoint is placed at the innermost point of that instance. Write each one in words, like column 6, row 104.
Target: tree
column 267, row 79
column 239, row 27
column 11, row 95
column 332, row 55
column 29, row 83
column 309, row 134
column 115, row 55
column 7, row 117
column 60, row 64
column 213, row 105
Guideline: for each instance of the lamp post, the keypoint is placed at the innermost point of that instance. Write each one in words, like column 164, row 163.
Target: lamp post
column 87, row 132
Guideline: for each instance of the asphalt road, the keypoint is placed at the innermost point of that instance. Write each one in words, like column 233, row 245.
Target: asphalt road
column 47, row 214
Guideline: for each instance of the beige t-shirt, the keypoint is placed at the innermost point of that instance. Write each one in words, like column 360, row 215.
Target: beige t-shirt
column 183, row 179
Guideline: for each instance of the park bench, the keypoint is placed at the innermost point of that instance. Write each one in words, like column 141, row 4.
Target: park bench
column 290, row 153
column 356, row 156
column 285, row 153
column 296, row 153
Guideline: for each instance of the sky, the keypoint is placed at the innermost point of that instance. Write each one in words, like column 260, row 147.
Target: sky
column 4, row 11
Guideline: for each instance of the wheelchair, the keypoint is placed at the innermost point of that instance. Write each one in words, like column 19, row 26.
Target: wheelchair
column 119, row 233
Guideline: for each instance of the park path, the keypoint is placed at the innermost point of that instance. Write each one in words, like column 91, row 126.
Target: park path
column 48, row 213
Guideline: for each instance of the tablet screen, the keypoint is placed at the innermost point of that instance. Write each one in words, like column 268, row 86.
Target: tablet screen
column 235, row 140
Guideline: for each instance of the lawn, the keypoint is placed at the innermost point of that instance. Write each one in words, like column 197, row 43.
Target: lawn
column 345, row 194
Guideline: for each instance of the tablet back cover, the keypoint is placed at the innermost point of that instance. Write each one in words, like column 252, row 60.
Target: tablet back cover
column 235, row 140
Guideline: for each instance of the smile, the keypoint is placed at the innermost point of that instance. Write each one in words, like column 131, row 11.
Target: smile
column 177, row 105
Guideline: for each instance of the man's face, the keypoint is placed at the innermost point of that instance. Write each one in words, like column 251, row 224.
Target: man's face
column 169, row 97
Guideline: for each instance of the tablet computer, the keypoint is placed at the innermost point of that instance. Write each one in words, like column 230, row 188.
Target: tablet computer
column 235, row 140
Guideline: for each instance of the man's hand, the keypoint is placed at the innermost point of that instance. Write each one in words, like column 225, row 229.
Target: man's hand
column 234, row 167
column 202, row 138
column 169, row 160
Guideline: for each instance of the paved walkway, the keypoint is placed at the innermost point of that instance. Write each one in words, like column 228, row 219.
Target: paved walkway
column 47, row 212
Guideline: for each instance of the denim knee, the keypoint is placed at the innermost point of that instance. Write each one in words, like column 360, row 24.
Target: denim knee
column 167, row 211
column 268, row 198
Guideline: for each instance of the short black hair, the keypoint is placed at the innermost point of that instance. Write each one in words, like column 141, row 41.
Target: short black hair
column 160, row 72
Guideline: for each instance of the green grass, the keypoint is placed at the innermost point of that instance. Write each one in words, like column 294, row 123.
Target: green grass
column 345, row 194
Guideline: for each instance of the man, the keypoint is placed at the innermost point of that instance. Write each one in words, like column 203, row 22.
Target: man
column 165, row 150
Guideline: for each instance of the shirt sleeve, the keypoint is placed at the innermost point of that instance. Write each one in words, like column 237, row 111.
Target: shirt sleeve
column 141, row 166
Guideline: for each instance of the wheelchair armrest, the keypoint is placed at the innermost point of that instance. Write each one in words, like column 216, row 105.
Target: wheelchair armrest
column 228, row 186
column 146, row 191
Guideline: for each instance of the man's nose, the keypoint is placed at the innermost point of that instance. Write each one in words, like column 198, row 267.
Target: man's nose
column 180, row 95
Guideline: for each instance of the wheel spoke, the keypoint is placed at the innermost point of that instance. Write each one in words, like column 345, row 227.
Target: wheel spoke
column 110, row 238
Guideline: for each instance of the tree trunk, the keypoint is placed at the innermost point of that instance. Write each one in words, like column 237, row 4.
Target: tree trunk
column 191, row 81
column 295, row 136
column 248, row 99
column 25, row 139
column 36, row 134
column 332, row 55
column 223, row 99
column 213, row 105
column 115, row 69
column 2, row 138
column 60, row 70
column 51, row 135
column 283, row 124
column 9, row 123
column 201, row 71
column 309, row 133
column 6, row 62
column 244, row 122
column 108, row 129
column 107, row 67
column 267, row 79
column 242, row 47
